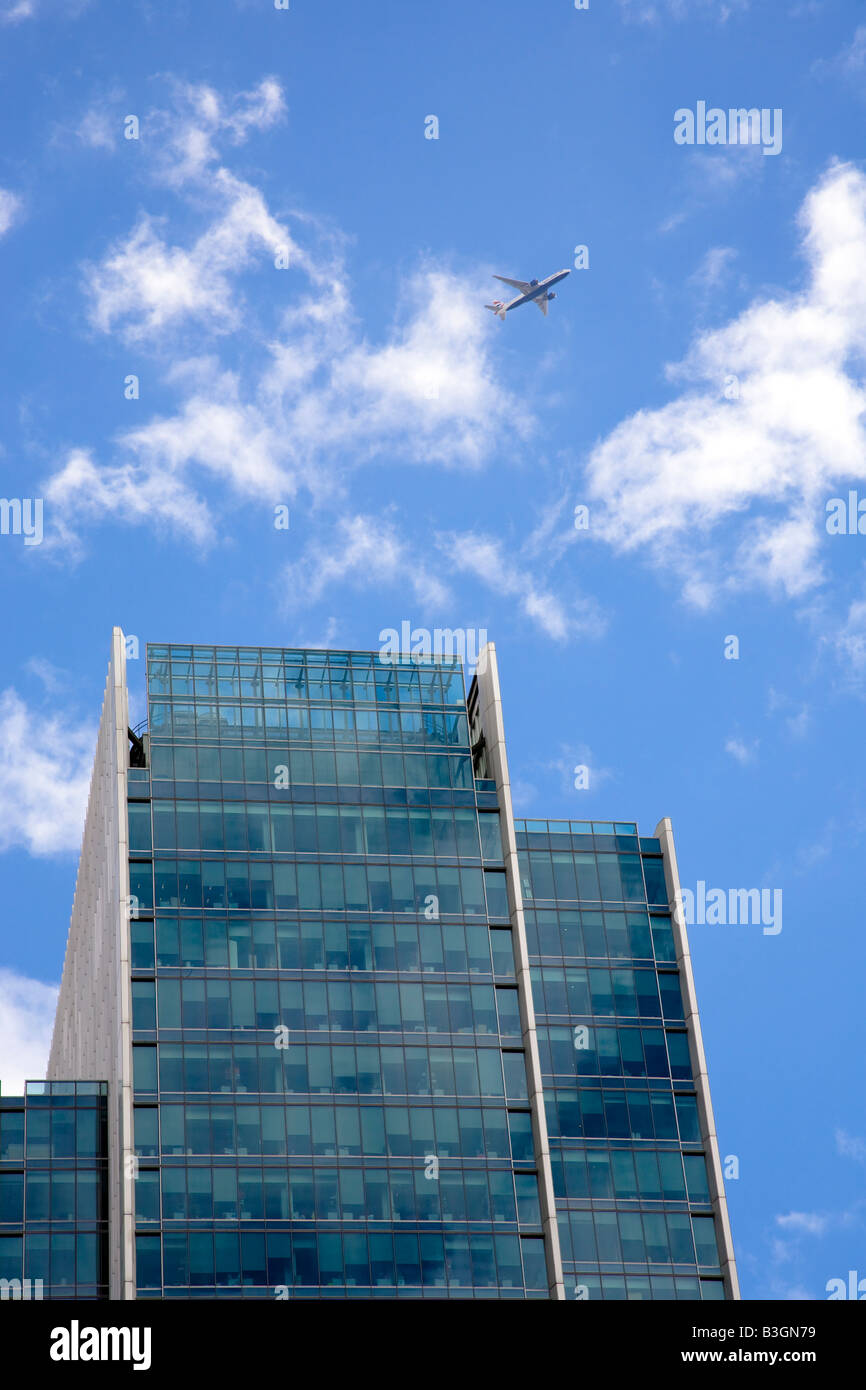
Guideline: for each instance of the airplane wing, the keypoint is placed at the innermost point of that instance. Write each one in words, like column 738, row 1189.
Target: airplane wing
column 522, row 285
column 542, row 304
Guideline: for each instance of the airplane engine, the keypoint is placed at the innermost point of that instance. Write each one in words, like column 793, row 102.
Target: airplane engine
column 551, row 294
column 533, row 282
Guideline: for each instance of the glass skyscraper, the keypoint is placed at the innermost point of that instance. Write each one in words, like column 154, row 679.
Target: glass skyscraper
column 362, row 1033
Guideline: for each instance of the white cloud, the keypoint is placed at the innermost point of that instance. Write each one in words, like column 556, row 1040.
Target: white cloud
column 796, row 723
column 850, row 638
column 851, row 60
column 27, row 1009
column 488, row 560
column 709, row 175
column 369, row 551
column 10, row 209
column 145, row 286
column 45, row 764
column 324, row 402
column 364, row 551
column 97, row 128
column 651, row 11
column 432, row 384
column 811, row 1222
column 13, row 11
column 52, row 677
column 713, row 267
column 189, row 133
column 776, row 416
column 849, row 1146
column 576, row 761
column 742, row 751
column 316, row 398
column 81, row 491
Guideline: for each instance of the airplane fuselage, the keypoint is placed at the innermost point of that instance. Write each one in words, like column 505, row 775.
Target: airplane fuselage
column 539, row 290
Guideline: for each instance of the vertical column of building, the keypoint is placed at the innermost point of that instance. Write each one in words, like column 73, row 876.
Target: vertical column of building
column 92, row 1037
column 125, row 1153
column 665, row 836
column 493, row 729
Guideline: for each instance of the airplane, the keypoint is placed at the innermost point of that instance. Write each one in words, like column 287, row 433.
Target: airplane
column 535, row 292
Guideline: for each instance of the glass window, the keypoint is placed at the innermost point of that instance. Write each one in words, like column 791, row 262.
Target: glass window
column 696, row 1177
column 497, row 894
column 705, row 1240
column 12, row 1197
column 141, row 943
column 12, row 1134
column 514, row 1064
column 491, row 835
column 143, row 1004
column 687, row 1115
column 139, row 828
column 654, row 874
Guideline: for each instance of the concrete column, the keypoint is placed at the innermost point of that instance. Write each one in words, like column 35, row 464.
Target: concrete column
column 665, row 835
column 493, row 728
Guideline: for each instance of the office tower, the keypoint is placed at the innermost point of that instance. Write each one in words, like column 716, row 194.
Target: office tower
column 363, row 1033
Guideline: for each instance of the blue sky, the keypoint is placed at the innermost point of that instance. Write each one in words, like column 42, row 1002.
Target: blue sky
column 699, row 387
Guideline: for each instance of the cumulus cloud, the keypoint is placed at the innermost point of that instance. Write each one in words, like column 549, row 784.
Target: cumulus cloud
column 27, row 1010
column 45, row 767
column 315, row 396
column 144, row 285
column 323, row 401
column 772, row 415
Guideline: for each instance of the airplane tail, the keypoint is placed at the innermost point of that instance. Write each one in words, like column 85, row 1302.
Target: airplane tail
column 498, row 308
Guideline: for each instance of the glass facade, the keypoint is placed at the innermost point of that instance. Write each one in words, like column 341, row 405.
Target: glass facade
column 331, row 1094
column 364, row 1035
column 53, row 1191
column 629, row 1169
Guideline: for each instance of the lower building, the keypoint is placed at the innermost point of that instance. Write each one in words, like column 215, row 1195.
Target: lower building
column 54, row 1191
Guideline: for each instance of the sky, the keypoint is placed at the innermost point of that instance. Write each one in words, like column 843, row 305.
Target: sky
column 244, row 257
